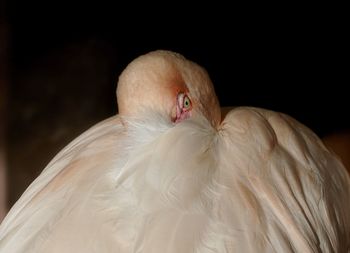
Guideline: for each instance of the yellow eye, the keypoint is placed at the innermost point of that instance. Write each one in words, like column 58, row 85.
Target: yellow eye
column 186, row 102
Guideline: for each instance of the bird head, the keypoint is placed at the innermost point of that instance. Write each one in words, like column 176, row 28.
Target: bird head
column 169, row 84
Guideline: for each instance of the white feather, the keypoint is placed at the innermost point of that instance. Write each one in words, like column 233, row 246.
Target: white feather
column 261, row 183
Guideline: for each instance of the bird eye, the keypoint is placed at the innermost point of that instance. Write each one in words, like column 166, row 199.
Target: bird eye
column 186, row 102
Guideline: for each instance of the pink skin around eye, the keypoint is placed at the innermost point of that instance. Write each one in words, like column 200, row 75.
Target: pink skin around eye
column 181, row 112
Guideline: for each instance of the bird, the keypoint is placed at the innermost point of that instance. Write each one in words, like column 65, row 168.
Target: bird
column 174, row 172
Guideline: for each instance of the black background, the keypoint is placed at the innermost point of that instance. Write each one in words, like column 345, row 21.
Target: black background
column 287, row 59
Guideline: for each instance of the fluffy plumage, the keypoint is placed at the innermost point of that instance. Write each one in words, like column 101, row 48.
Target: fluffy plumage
column 256, row 182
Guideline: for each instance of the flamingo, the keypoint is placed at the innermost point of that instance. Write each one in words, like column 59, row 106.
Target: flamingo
column 170, row 174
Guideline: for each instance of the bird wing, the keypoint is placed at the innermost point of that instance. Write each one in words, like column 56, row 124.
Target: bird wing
column 260, row 183
column 69, row 173
column 285, row 192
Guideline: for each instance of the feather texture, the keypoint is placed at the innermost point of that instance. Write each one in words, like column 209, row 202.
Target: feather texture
column 258, row 184
column 258, row 181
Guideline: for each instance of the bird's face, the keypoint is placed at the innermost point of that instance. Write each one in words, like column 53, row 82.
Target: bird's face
column 183, row 107
column 168, row 84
